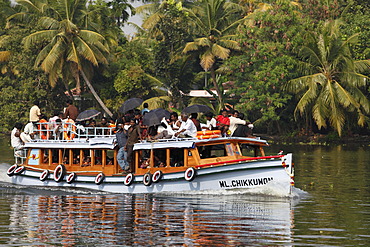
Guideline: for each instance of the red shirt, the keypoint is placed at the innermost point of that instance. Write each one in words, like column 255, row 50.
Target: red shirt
column 221, row 120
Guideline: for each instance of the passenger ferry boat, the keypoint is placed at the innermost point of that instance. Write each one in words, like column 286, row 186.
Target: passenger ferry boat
column 86, row 158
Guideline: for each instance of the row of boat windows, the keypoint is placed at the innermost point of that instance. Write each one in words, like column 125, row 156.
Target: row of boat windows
column 161, row 157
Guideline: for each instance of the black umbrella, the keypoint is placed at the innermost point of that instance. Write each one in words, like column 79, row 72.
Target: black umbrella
column 85, row 115
column 154, row 117
column 130, row 104
column 197, row 108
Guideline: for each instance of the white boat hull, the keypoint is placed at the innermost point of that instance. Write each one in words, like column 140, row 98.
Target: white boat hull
column 262, row 177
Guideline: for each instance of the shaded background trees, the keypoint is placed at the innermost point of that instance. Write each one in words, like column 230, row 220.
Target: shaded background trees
column 249, row 50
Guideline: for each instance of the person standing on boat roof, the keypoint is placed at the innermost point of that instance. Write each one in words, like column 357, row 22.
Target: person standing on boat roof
column 134, row 136
column 71, row 111
column 35, row 112
column 187, row 128
column 15, row 139
column 121, row 139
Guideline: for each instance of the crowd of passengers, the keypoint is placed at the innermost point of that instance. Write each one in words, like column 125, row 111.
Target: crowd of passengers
column 129, row 129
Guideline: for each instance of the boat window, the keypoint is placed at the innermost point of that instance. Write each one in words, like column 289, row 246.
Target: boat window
column 110, row 157
column 212, row 151
column 159, row 157
column 248, row 150
column 176, row 157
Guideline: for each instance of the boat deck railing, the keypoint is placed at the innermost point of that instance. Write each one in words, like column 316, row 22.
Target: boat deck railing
column 49, row 132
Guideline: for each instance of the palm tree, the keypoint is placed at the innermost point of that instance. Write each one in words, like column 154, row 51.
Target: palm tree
column 68, row 51
column 216, row 20
column 332, row 81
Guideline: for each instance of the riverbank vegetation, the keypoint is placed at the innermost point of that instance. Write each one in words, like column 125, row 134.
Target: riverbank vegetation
column 295, row 68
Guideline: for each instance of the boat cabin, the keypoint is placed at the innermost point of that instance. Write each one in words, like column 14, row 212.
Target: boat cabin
column 97, row 152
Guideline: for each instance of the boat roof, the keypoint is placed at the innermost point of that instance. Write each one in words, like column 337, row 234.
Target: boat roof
column 89, row 143
column 192, row 142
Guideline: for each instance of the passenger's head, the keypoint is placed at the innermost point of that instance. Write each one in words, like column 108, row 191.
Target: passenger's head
column 58, row 121
column 132, row 122
column 18, row 126
column 209, row 115
column 69, row 102
column 184, row 117
column 194, row 115
column 224, row 113
column 235, row 113
column 36, row 102
column 137, row 114
column 145, row 105
column 104, row 120
column 174, row 116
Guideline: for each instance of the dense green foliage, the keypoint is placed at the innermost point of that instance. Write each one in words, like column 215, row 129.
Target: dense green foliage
column 277, row 61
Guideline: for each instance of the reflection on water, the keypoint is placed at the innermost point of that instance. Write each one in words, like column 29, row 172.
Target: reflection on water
column 336, row 211
column 142, row 220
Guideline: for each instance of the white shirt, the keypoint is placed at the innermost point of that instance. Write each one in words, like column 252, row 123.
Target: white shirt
column 15, row 141
column 191, row 130
column 34, row 113
column 211, row 123
column 234, row 122
column 29, row 129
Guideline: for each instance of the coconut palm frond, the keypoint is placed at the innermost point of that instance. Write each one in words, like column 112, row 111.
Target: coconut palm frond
column 38, row 37
column 220, row 52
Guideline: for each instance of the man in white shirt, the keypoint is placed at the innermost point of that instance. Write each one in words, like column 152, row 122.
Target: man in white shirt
column 29, row 132
column 15, row 139
column 187, row 128
column 35, row 112
column 211, row 121
column 235, row 121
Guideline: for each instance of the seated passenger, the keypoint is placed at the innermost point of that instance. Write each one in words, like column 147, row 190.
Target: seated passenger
column 187, row 128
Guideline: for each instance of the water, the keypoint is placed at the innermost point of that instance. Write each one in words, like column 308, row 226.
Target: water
column 331, row 208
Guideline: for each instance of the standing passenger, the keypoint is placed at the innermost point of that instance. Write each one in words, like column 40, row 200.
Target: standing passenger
column 15, row 139
column 133, row 134
column 35, row 112
column 121, row 137
column 71, row 111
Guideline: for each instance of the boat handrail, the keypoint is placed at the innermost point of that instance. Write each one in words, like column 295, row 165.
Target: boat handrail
column 70, row 132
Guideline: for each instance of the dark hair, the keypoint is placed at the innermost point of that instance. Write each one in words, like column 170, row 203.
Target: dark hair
column 68, row 101
column 194, row 115
column 127, row 119
column 18, row 125
column 58, row 120
column 36, row 102
column 137, row 112
column 209, row 114
column 145, row 105
column 104, row 118
column 174, row 114
column 235, row 111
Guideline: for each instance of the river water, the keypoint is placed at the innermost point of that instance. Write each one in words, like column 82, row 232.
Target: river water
column 331, row 207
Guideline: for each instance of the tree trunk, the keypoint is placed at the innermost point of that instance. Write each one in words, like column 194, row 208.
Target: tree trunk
column 219, row 95
column 101, row 103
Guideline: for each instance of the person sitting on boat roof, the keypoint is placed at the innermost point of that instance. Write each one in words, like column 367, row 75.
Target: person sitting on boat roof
column 58, row 130
column 16, row 141
column 145, row 109
column 243, row 130
column 223, row 122
column 211, row 122
column 71, row 111
column 194, row 118
column 57, row 115
column 175, row 121
column 235, row 121
column 187, row 128
column 121, row 140
column 29, row 132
